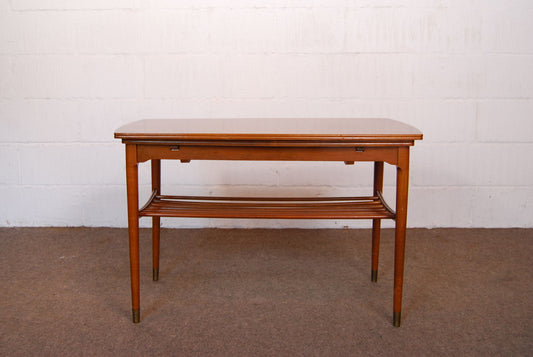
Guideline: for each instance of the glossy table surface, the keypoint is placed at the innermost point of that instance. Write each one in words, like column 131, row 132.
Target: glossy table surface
column 344, row 129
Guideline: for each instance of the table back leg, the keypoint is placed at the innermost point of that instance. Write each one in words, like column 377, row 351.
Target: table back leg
column 156, row 221
column 376, row 223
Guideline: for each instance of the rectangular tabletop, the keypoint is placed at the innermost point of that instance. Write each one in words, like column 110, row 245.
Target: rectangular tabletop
column 271, row 129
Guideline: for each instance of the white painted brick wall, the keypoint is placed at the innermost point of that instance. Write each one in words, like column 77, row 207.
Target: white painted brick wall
column 61, row 76
column 72, row 71
column 32, row 5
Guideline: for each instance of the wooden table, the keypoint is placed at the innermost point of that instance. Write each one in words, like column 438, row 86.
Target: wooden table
column 344, row 140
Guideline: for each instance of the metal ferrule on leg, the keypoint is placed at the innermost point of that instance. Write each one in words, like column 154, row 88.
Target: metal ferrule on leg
column 136, row 313
column 397, row 318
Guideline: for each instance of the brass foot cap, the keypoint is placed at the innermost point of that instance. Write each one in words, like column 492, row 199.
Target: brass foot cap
column 155, row 274
column 396, row 319
column 136, row 315
column 374, row 276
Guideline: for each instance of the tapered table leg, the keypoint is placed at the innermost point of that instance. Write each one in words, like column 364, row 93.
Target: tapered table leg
column 133, row 226
column 402, row 188
column 156, row 221
column 376, row 223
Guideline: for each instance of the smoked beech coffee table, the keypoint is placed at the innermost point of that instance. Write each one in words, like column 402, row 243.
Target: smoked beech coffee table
column 344, row 140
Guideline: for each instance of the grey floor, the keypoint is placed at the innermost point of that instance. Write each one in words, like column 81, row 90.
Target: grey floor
column 65, row 291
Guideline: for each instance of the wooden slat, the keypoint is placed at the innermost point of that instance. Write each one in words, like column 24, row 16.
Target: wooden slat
column 267, row 207
column 273, row 199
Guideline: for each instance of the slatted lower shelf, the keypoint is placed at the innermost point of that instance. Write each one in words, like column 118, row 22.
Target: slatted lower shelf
column 267, row 207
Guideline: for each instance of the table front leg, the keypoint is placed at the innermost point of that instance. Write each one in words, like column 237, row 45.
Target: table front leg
column 376, row 223
column 133, row 226
column 156, row 221
column 402, row 188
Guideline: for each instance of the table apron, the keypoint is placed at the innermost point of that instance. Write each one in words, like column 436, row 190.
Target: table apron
column 192, row 152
